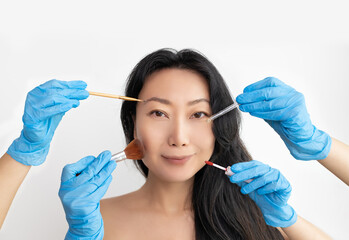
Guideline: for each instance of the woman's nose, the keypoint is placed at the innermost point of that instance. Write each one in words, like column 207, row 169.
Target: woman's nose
column 179, row 133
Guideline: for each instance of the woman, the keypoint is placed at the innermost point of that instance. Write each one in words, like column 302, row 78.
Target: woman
column 182, row 198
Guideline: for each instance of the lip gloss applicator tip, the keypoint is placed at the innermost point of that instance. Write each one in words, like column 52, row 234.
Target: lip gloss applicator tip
column 215, row 165
column 227, row 170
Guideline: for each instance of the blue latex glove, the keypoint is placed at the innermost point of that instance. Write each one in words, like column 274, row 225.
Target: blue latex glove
column 44, row 108
column 80, row 195
column 269, row 189
column 283, row 108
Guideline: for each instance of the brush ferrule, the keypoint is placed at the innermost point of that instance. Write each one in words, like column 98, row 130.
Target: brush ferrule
column 120, row 156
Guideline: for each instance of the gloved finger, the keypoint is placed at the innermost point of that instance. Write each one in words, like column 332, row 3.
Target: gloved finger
column 94, row 168
column 266, row 82
column 75, row 94
column 264, row 94
column 70, row 170
column 82, row 197
column 250, row 173
column 281, row 184
column 103, row 159
column 241, row 184
column 68, row 93
column 275, row 187
column 63, row 84
column 282, row 108
column 268, row 106
column 276, row 115
column 49, row 101
column 84, row 188
column 104, row 173
column 54, row 110
column 99, row 192
column 78, row 84
column 260, row 182
column 242, row 166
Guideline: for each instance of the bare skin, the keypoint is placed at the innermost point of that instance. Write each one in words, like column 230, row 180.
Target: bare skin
column 157, row 216
column 12, row 174
column 302, row 229
column 337, row 160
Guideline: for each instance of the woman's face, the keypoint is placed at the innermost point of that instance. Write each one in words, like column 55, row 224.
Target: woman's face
column 172, row 124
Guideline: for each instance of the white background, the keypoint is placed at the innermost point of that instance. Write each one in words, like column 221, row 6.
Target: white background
column 303, row 43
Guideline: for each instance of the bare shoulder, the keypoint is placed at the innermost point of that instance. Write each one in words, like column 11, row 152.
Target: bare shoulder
column 112, row 207
column 128, row 217
column 117, row 213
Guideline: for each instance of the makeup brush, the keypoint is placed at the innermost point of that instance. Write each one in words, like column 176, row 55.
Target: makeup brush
column 134, row 151
column 227, row 170
column 114, row 96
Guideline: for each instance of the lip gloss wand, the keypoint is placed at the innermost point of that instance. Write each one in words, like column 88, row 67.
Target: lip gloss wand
column 227, row 170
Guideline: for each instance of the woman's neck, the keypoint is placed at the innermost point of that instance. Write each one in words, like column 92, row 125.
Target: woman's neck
column 167, row 197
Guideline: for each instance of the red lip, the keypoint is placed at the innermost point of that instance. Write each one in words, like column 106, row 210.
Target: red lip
column 180, row 159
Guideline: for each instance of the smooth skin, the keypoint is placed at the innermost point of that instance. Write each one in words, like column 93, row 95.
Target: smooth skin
column 12, row 174
column 337, row 161
column 160, row 209
column 303, row 229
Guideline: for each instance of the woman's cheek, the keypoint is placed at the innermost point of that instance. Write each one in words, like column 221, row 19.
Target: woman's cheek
column 202, row 131
column 151, row 135
column 204, row 139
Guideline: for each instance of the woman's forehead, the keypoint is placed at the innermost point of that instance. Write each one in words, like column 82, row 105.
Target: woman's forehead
column 173, row 84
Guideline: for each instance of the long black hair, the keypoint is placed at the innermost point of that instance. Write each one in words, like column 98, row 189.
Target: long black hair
column 221, row 211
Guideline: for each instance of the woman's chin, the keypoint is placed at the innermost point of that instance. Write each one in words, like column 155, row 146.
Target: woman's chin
column 177, row 177
column 175, row 173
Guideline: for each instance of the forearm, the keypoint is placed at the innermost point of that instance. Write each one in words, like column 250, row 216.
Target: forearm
column 302, row 229
column 337, row 160
column 12, row 174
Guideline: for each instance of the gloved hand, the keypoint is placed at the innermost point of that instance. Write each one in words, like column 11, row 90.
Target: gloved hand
column 283, row 108
column 44, row 108
column 269, row 189
column 80, row 195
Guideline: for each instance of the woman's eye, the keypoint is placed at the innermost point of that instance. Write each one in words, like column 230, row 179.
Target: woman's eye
column 157, row 114
column 199, row 115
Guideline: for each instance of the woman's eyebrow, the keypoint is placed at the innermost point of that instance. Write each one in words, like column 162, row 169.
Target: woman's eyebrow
column 167, row 102
column 160, row 100
column 198, row 101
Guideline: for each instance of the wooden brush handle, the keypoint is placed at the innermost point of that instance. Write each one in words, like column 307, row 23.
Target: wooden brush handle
column 114, row 96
